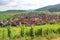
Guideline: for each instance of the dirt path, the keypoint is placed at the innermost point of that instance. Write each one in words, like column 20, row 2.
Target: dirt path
column 56, row 39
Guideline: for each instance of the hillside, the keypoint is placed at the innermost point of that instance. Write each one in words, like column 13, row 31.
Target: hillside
column 51, row 8
column 10, row 14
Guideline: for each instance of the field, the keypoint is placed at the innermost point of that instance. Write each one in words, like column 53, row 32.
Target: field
column 6, row 15
column 22, row 32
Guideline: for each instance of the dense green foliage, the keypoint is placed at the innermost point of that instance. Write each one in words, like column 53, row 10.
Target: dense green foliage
column 49, row 31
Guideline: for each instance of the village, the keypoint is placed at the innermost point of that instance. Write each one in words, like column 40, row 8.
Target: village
column 29, row 20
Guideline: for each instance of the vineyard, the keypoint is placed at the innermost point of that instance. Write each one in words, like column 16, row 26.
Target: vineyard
column 43, row 31
column 47, row 31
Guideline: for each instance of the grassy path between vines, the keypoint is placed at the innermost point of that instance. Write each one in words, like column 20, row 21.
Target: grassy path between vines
column 56, row 38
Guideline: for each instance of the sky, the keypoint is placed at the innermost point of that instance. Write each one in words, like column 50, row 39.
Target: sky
column 25, row 4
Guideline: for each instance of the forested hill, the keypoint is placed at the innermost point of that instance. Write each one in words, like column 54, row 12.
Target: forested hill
column 51, row 8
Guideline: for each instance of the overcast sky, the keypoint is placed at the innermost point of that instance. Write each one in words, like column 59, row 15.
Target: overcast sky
column 25, row 4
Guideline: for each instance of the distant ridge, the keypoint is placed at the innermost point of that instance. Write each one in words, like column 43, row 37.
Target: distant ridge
column 51, row 8
column 15, row 10
column 18, row 11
